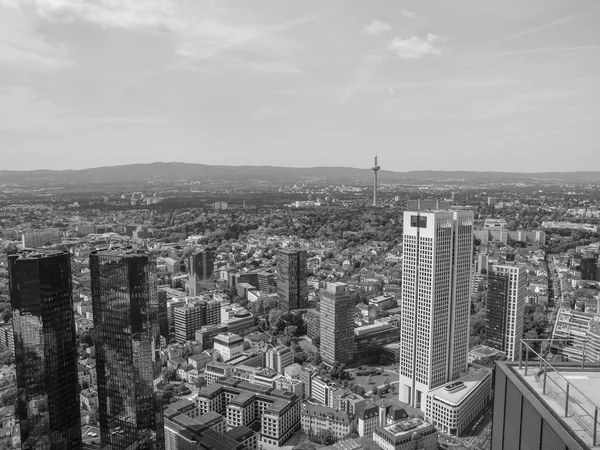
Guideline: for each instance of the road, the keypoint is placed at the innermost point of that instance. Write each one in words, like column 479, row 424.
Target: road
column 479, row 432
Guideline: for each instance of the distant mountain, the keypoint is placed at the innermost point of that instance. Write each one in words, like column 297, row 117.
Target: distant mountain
column 168, row 172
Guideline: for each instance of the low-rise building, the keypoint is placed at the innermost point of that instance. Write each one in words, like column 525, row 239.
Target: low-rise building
column 453, row 406
column 408, row 434
column 229, row 345
column 320, row 418
column 278, row 358
column 275, row 412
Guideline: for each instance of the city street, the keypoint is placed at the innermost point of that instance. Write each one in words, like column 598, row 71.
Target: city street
column 478, row 434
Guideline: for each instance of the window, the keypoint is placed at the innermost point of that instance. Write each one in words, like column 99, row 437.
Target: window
column 418, row 221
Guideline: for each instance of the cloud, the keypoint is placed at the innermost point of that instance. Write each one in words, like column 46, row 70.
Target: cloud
column 415, row 47
column 409, row 14
column 199, row 27
column 377, row 27
column 106, row 13
column 22, row 47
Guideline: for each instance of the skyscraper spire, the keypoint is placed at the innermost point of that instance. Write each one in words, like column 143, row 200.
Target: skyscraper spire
column 375, row 169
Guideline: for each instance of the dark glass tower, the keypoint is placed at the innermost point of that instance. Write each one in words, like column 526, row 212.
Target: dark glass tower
column 201, row 271
column 292, row 286
column 47, row 404
column 497, row 309
column 126, row 306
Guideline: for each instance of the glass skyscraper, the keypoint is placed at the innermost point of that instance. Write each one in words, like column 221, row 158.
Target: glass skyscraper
column 125, row 307
column 47, row 404
column 292, row 286
column 201, row 271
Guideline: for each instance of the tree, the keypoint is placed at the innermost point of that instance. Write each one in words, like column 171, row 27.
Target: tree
column 316, row 341
column 169, row 375
column 200, row 382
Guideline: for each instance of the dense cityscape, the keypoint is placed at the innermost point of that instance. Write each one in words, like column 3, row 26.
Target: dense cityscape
column 425, row 313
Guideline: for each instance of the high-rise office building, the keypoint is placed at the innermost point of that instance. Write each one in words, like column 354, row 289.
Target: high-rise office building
column 125, row 304
column 201, row 271
column 193, row 316
column 47, row 404
column 505, row 308
column 337, row 323
column 434, row 324
column 589, row 268
column 292, row 286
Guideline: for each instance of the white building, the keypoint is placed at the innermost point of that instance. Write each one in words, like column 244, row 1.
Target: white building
column 278, row 358
column 228, row 345
column 436, row 275
column 453, row 406
column 408, row 434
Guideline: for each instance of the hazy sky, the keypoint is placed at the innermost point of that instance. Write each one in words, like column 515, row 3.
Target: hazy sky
column 509, row 85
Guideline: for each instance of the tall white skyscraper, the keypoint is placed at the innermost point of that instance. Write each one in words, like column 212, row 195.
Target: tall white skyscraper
column 506, row 307
column 434, row 324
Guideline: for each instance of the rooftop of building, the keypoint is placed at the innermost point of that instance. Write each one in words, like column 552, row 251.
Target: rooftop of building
column 373, row 328
column 243, row 398
column 361, row 443
column 407, row 426
column 484, row 351
column 584, row 395
column 325, row 412
column 463, row 386
column 240, row 433
column 180, row 405
column 229, row 338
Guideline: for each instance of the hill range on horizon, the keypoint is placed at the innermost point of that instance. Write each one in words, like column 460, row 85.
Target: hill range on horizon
column 174, row 171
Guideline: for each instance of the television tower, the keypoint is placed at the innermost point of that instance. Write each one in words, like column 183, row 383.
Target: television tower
column 375, row 168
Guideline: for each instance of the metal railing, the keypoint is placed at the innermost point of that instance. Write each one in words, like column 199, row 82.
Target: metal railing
column 577, row 405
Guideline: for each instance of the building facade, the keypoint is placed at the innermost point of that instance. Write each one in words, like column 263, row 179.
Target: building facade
column 125, row 303
column 292, row 286
column 436, row 273
column 47, row 403
column 201, row 267
column 506, row 306
column 316, row 419
column 275, row 412
column 337, row 324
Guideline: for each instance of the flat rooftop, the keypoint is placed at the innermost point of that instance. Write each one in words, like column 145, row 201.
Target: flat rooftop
column 470, row 381
column 581, row 407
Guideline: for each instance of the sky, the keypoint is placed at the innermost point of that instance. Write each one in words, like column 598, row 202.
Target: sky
column 511, row 85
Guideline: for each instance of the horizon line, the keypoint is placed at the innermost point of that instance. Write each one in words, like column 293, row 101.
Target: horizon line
column 294, row 167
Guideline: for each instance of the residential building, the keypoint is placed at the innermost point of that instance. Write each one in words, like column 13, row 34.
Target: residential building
column 292, row 288
column 125, row 303
column 41, row 296
column 278, row 358
column 367, row 420
column 276, row 413
column 436, row 274
column 408, row 434
column 505, row 307
column 589, row 268
column 453, row 406
column 337, row 324
column 317, row 418
column 201, row 267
